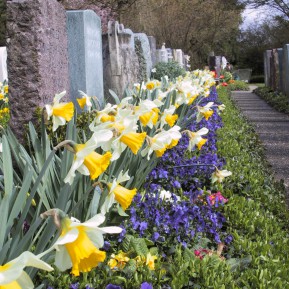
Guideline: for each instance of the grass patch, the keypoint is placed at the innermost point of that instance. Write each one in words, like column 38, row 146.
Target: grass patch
column 276, row 99
column 238, row 85
column 256, row 213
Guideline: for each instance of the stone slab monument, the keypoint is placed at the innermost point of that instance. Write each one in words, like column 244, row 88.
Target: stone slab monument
column 179, row 57
column 3, row 64
column 37, row 57
column 153, row 48
column 120, row 60
column 162, row 54
column 85, row 54
column 286, row 69
column 280, row 68
column 267, row 61
column 145, row 53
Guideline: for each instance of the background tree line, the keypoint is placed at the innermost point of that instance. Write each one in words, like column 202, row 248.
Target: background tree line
column 197, row 26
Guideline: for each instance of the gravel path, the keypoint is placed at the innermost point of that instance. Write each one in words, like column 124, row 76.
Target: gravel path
column 272, row 128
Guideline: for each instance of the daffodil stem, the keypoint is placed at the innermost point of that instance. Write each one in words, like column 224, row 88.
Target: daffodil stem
column 193, row 165
column 62, row 144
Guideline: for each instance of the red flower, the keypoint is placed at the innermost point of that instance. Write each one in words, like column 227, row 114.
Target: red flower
column 221, row 76
column 224, row 84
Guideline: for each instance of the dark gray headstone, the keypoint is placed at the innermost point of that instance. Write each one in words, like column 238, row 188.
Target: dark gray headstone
column 286, row 69
column 37, row 57
column 85, row 54
column 280, row 68
column 267, row 73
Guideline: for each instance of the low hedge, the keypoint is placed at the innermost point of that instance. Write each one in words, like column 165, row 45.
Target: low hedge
column 276, row 99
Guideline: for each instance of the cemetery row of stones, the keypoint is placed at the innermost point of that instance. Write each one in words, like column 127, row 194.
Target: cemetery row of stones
column 50, row 50
column 276, row 69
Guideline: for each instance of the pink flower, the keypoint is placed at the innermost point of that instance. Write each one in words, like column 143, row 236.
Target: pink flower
column 217, row 198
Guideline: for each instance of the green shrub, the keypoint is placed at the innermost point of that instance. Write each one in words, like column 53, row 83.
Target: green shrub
column 238, row 85
column 276, row 99
column 171, row 69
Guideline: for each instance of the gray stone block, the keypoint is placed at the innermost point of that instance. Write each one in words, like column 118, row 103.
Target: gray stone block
column 85, row 54
column 286, row 69
column 37, row 57
column 280, row 68
column 153, row 47
column 3, row 64
column 267, row 60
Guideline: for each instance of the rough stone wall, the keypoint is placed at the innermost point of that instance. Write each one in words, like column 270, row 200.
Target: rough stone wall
column 37, row 56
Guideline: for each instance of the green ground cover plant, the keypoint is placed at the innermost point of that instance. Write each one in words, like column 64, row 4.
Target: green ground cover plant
column 238, row 85
column 257, row 215
column 276, row 99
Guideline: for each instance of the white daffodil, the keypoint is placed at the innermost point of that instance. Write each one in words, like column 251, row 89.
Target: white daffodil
column 118, row 193
column 205, row 111
column 1, row 148
column 84, row 101
column 169, row 117
column 148, row 112
column 162, row 141
column 221, row 107
column 195, row 138
column 167, row 196
column 79, row 243
column 60, row 112
column 12, row 275
column 86, row 160
column 218, row 175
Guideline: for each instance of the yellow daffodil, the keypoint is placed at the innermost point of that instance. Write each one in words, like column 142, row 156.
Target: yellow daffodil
column 1, row 96
column 118, row 193
column 86, row 160
column 12, row 275
column 133, row 140
column 205, row 111
column 168, row 117
column 150, row 261
column 84, row 101
column 150, row 85
column 160, row 142
column 6, row 89
column 195, row 138
column 79, row 243
column 60, row 112
column 218, row 176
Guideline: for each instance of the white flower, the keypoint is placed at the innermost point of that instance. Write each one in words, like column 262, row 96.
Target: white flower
column 12, row 274
column 84, row 101
column 79, row 243
column 218, row 175
column 195, row 138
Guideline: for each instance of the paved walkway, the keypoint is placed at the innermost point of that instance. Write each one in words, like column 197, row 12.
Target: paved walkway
column 272, row 128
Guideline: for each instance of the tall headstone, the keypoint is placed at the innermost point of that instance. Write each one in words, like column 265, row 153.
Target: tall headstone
column 179, row 57
column 286, row 69
column 170, row 55
column 267, row 73
column 280, row 68
column 120, row 61
column 146, row 52
column 162, row 54
column 85, row 54
column 153, row 48
column 3, row 64
column 37, row 57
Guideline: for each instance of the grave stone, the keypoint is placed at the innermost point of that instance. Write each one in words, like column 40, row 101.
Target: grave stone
column 3, row 64
column 145, row 53
column 170, row 54
column 218, row 65
column 162, row 54
column 85, row 54
column 37, row 57
column 267, row 57
column 243, row 74
column 286, row 69
column 153, row 48
column 280, row 68
column 179, row 57
column 120, row 61
column 187, row 62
